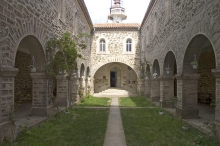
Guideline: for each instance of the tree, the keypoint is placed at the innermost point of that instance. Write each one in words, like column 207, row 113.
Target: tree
column 61, row 55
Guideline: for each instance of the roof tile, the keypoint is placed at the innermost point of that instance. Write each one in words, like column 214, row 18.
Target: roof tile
column 117, row 25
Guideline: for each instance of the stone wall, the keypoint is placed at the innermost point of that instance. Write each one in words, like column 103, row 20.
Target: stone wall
column 115, row 50
column 115, row 44
column 42, row 20
column 187, row 19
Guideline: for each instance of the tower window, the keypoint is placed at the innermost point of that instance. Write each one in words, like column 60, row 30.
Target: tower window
column 102, row 45
column 129, row 45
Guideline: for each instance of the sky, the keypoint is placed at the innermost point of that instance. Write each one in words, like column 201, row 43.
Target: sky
column 99, row 10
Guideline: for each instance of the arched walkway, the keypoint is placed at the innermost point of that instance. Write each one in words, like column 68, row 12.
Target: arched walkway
column 197, row 82
column 115, row 75
column 155, row 82
column 168, row 83
column 29, row 58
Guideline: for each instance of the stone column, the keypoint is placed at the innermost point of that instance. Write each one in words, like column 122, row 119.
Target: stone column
column 216, row 73
column 155, row 90
column 62, row 91
column 166, row 89
column 92, row 86
column 147, row 88
column 187, row 96
column 6, row 100
column 75, row 86
column 141, row 87
column 40, row 98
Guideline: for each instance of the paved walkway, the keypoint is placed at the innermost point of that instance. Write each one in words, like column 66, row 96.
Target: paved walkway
column 115, row 133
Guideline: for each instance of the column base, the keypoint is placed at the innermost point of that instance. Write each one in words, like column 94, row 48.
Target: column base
column 189, row 113
column 168, row 105
column 155, row 98
column 61, row 102
column 6, row 129
column 217, row 131
column 42, row 112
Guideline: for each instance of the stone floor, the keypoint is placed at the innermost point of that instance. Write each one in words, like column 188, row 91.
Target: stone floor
column 206, row 118
column 24, row 119
column 115, row 133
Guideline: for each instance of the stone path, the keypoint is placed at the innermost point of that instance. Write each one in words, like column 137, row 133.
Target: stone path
column 115, row 133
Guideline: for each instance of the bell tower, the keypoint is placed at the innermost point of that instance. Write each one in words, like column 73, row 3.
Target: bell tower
column 117, row 12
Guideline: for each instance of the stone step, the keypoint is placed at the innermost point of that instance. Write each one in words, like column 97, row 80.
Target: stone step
column 115, row 92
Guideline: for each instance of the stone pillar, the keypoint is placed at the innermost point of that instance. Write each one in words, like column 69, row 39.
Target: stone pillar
column 187, row 96
column 40, row 98
column 141, row 87
column 62, row 91
column 155, row 90
column 92, row 86
column 147, row 88
column 216, row 73
column 6, row 101
column 74, row 90
column 166, row 89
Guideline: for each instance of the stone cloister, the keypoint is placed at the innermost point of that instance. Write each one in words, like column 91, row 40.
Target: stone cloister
column 173, row 36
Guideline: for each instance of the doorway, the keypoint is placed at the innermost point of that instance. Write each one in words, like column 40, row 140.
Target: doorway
column 113, row 79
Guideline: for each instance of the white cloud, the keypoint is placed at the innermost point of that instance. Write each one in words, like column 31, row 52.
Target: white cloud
column 99, row 10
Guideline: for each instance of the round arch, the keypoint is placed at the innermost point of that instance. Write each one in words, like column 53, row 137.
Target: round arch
column 122, row 61
column 156, row 67
column 82, row 70
column 115, row 75
column 198, row 44
column 169, row 66
column 30, row 44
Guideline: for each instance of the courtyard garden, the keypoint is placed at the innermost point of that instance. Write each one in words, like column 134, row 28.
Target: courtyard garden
column 84, row 126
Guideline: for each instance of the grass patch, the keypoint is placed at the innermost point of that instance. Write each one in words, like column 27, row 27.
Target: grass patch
column 93, row 101
column 146, row 127
column 81, row 127
column 135, row 102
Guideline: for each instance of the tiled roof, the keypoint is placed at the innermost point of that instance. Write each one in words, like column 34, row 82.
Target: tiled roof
column 117, row 25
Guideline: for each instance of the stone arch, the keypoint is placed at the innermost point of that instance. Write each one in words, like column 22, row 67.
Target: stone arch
column 156, row 67
column 169, row 65
column 200, row 79
column 31, row 45
column 87, row 72
column 29, row 51
column 82, row 70
column 121, row 74
column 118, row 60
column 196, row 46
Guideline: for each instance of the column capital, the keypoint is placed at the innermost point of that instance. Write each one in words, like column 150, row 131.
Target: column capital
column 8, row 71
column 164, row 78
column 156, row 79
column 188, row 77
column 216, row 73
column 61, row 77
column 38, row 75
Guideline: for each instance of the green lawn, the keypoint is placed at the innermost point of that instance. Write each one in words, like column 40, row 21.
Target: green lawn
column 82, row 127
column 93, row 101
column 135, row 102
column 145, row 127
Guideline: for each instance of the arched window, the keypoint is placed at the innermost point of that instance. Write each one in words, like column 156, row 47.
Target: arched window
column 102, row 45
column 129, row 45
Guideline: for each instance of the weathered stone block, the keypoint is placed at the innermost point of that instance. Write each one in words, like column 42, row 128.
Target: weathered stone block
column 187, row 113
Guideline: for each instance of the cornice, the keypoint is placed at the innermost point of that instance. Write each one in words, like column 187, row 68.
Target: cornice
column 86, row 13
column 148, row 12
